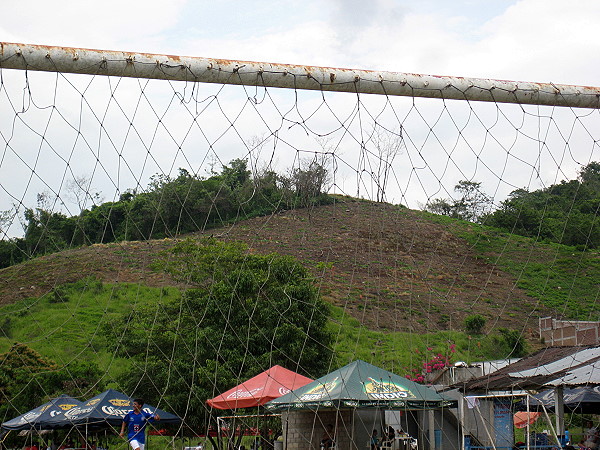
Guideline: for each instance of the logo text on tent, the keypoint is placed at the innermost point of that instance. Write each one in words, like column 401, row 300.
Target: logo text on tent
column 111, row 411
column 119, row 402
column 77, row 411
column 243, row 393
column 320, row 391
column 385, row 390
column 66, row 406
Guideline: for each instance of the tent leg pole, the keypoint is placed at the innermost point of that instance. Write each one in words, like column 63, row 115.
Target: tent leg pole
column 551, row 427
column 527, row 428
column 461, row 422
column 431, row 431
column 559, row 410
column 287, row 426
column 353, row 423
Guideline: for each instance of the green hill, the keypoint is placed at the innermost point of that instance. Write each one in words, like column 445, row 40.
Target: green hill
column 388, row 269
column 406, row 290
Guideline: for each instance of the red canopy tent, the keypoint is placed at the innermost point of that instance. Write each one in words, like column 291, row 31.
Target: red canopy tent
column 523, row 418
column 258, row 390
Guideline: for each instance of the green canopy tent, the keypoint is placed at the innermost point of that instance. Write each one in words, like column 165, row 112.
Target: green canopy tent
column 361, row 385
column 353, row 399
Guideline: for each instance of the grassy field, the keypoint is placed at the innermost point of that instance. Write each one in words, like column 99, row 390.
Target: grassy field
column 559, row 276
column 69, row 324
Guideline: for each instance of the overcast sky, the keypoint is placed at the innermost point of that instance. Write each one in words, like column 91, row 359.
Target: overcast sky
column 528, row 40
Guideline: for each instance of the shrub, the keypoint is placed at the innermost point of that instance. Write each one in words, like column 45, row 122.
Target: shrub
column 515, row 342
column 474, row 324
column 59, row 295
column 6, row 327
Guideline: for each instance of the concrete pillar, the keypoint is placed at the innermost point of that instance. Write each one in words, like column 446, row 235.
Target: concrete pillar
column 431, row 434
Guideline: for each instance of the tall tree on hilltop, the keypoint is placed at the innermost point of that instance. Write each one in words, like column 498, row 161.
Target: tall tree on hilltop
column 471, row 205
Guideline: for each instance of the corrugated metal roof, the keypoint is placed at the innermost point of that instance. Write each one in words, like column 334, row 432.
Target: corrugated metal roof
column 552, row 366
column 586, row 375
column 566, row 363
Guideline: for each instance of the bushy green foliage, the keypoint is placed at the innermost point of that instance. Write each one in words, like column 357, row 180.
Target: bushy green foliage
column 59, row 295
column 474, row 324
column 514, row 340
column 27, row 380
column 246, row 313
column 565, row 213
column 170, row 206
column 12, row 251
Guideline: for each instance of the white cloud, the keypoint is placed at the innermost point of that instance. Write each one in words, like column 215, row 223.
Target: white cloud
column 350, row 17
column 308, row 43
column 544, row 40
column 88, row 23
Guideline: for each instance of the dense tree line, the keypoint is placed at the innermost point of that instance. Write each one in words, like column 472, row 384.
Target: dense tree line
column 168, row 207
column 246, row 313
column 565, row 213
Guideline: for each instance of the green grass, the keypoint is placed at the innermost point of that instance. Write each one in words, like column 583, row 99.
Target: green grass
column 401, row 352
column 68, row 323
column 560, row 276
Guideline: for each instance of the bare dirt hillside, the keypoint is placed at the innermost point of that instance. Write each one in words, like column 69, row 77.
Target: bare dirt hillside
column 389, row 267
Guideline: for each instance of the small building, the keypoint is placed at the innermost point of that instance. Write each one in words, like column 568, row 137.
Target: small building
column 555, row 368
column 357, row 399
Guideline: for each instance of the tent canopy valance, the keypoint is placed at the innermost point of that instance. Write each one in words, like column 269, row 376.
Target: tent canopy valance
column 361, row 385
column 109, row 408
column 40, row 418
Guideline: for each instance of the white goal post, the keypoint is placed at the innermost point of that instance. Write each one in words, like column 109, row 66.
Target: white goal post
column 211, row 70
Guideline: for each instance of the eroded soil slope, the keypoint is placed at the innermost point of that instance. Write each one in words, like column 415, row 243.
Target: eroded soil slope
column 391, row 268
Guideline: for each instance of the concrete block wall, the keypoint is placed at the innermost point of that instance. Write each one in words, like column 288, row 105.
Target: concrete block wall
column 569, row 332
column 303, row 429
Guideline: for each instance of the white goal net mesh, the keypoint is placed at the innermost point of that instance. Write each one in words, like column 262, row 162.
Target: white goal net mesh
column 325, row 228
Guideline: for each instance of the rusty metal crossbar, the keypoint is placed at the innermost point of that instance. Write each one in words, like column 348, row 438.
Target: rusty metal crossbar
column 210, row 70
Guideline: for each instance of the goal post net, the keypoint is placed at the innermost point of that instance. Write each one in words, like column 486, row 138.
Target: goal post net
column 411, row 221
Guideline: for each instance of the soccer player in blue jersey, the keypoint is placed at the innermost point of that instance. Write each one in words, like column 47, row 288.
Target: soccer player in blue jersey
column 136, row 422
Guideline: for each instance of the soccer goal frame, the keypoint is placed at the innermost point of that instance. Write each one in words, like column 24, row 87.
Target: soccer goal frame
column 247, row 73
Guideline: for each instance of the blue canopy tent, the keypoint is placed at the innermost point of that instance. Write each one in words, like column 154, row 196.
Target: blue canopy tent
column 40, row 418
column 101, row 411
column 108, row 409
column 582, row 400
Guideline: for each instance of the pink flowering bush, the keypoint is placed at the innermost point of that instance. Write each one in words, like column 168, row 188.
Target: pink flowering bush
column 432, row 361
